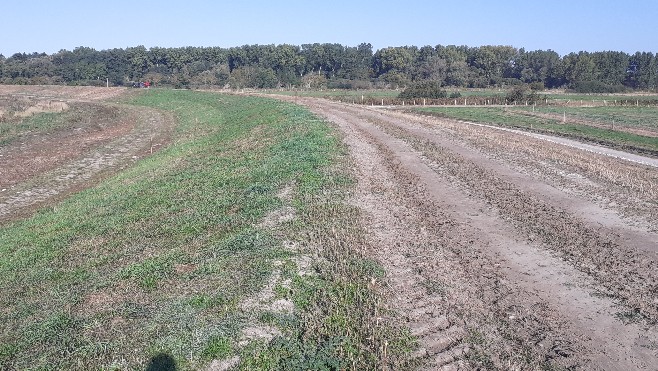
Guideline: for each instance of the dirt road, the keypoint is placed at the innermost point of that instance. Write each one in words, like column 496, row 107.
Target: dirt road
column 505, row 250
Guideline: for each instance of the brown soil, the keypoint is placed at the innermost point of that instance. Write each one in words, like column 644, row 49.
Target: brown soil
column 42, row 167
column 66, row 93
column 501, row 259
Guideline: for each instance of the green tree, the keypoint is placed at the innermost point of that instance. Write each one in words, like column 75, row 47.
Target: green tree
column 357, row 62
column 394, row 65
column 536, row 66
column 138, row 60
column 457, row 70
column 579, row 67
column 490, row 64
column 641, row 72
column 611, row 67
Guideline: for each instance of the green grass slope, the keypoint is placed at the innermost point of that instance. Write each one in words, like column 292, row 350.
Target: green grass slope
column 182, row 252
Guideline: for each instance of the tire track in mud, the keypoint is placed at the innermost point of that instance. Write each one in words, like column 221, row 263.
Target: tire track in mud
column 440, row 334
column 500, row 291
column 151, row 130
column 597, row 241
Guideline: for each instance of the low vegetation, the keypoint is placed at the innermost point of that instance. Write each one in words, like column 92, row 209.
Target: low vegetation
column 566, row 124
column 522, row 94
column 233, row 246
column 424, row 89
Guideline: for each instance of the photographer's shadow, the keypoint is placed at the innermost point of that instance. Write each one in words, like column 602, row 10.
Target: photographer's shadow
column 162, row 362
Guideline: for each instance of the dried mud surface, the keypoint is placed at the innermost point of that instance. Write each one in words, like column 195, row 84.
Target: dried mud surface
column 43, row 167
column 505, row 251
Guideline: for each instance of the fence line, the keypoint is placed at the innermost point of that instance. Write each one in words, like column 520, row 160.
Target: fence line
column 495, row 101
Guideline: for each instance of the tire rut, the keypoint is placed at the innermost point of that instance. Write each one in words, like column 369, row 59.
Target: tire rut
column 621, row 257
column 432, row 264
column 438, row 333
column 433, row 228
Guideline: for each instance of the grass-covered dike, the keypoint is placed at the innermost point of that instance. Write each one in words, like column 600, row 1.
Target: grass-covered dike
column 235, row 245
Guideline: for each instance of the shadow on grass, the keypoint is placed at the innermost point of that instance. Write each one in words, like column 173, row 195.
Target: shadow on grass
column 162, row 362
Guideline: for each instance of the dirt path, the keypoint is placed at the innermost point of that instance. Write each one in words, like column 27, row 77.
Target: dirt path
column 44, row 167
column 493, row 263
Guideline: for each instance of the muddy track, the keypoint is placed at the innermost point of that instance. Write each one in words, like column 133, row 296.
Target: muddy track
column 495, row 264
column 40, row 169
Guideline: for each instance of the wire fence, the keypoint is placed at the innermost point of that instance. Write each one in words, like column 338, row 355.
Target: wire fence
column 493, row 101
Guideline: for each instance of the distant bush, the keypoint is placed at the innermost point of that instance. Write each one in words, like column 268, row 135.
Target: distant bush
column 455, row 94
column 505, row 81
column 597, row 87
column 339, row 84
column 522, row 94
column 424, row 89
column 537, row 86
column 348, row 84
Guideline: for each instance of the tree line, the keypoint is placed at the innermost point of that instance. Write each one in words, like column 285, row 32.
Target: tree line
column 330, row 65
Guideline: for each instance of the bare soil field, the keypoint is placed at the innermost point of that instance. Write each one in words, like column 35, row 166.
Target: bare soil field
column 505, row 250
column 95, row 138
column 67, row 93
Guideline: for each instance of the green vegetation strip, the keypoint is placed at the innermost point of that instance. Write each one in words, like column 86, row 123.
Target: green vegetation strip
column 515, row 118
column 161, row 258
column 631, row 117
column 10, row 130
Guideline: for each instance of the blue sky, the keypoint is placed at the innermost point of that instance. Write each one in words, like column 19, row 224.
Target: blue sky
column 563, row 26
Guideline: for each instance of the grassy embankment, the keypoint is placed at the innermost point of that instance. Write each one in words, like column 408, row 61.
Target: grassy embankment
column 518, row 117
column 13, row 128
column 200, row 252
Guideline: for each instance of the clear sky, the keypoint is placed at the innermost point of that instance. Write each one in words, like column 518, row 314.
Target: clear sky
column 561, row 25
